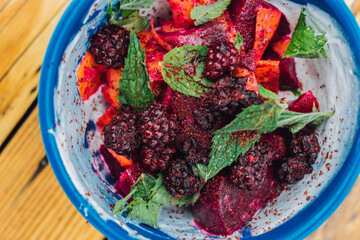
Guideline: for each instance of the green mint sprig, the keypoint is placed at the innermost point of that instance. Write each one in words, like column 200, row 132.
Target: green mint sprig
column 130, row 19
column 205, row 13
column 238, row 41
column 305, row 43
column 149, row 196
column 134, row 86
column 182, row 69
column 135, row 4
column 246, row 129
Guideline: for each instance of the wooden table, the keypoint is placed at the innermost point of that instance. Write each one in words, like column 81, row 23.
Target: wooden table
column 33, row 205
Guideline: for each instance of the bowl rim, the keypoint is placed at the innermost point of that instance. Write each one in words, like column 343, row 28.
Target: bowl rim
column 298, row 227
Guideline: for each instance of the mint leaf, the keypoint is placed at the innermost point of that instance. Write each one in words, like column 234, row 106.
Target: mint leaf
column 135, row 4
column 126, row 13
column 182, row 69
column 226, row 148
column 200, row 170
column 132, row 22
column 238, row 41
column 146, row 212
column 297, row 121
column 267, row 94
column 109, row 10
column 134, row 86
column 305, row 43
column 202, row 13
column 262, row 118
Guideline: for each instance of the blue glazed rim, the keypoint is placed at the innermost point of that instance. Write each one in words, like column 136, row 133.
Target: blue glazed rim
column 298, row 227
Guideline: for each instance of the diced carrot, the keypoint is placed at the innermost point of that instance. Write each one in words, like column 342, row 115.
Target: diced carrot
column 89, row 83
column 113, row 77
column 268, row 74
column 88, row 61
column 105, row 119
column 110, row 95
column 157, row 37
column 144, row 37
column 169, row 26
column 228, row 25
column 280, row 46
column 181, row 12
column 251, row 84
column 267, row 21
column 124, row 162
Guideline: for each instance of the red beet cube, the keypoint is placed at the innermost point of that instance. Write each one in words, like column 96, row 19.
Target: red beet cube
column 305, row 103
column 288, row 77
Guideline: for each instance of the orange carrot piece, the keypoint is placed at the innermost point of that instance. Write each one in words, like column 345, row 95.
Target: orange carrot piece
column 124, row 162
column 267, row 21
column 157, row 37
column 181, row 12
column 268, row 74
column 280, row 46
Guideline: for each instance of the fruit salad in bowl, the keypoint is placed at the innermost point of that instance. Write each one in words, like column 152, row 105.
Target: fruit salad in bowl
column 193, row 119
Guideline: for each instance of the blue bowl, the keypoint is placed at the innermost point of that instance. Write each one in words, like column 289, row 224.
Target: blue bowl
column 298, row 227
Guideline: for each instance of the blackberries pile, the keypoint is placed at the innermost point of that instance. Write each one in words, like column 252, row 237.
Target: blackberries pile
column 222, row 59
column 158, row 129
column 228, row 95
column 121, row 134
column 110, row 46
column 180, row 180
column 249, row 172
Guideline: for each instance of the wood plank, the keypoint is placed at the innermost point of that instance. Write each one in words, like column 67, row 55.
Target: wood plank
column 28, row 23
column 39, row 209
column 9, row 10
column 18, row 89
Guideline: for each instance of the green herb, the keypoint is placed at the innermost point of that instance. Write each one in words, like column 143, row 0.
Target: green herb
column 149, row 196
column 200, row 170
column 262, row 118
column 297, row 93
column 182, row 68
column 297, row 121
column 245, row 130
column 132, row 22
column 202, row 13
column 267, row 94
column 305, row 43
column 134, row 86
column 135, row 4
column 126, row 13
column 226, row 148
column 238, row 41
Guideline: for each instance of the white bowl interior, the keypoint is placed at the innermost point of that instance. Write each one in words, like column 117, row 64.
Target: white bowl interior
column 333, row 80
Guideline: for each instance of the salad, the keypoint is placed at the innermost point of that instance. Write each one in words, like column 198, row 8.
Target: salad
column 194, row 114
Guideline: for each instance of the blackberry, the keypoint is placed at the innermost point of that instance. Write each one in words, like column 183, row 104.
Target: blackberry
column 158, row 129
column 196, row 146
column 250, row 170
column 121, row 134
column 110, row 46
column 293, row 169
column 222, row 59
column 179, row 179
column 305, row 143
column 229, row 96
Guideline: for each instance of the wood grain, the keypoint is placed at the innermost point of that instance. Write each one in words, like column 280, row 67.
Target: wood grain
column 18, row 87
column 36, row 209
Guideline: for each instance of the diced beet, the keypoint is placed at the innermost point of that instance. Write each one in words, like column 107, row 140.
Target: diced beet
column 270, row 54
column 206, row 34
column 247, row 59
column 243, row 15
column 278, row 142
column 113, row 165
column 305, row 103
column 283, row 28
column 223, row 208
column 181, row 12
column 288, row 77
column 127, row 179
column 159, row 89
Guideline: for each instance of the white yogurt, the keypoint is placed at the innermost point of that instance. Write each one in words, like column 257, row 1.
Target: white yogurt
column 333, row 80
